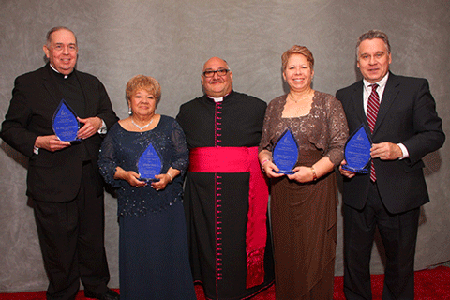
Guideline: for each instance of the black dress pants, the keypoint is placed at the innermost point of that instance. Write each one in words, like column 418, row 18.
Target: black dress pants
column 71, row 237
column 398, row 233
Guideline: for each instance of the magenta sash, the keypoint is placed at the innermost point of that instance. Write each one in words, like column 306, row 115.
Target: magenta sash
column 238, row 160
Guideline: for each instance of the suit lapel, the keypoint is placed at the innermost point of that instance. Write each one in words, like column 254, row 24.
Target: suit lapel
column 389, row 95
column 358, row 103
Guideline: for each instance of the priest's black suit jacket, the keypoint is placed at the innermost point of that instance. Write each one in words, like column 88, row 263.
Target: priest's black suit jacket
column 53, row 176
column 407, row 115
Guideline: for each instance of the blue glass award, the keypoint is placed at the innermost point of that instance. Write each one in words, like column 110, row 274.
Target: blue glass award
column 65, row 124
column 285, row 153
column 357, row 151
column 149, row 164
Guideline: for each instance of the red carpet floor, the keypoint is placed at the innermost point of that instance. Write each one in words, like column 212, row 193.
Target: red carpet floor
column 429, row 285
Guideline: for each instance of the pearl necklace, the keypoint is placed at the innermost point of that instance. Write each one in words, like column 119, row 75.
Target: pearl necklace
column 141, row 128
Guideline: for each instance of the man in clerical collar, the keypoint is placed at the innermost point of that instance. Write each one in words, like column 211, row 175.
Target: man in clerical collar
column 217, row 79
column 226, row 193
column 61, row 50
column 63, row 181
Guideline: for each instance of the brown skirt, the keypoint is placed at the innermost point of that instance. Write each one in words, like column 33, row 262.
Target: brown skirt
column 304, row 233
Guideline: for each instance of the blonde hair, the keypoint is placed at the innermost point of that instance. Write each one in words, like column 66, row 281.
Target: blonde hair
column 297, row 50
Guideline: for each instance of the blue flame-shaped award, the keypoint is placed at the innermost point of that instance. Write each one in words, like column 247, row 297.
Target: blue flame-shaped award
column 149, row 164
column 357, row 151
column 285, row 153
column 65, row 124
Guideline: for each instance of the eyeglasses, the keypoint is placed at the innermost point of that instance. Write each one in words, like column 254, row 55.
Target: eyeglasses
column 220, row 72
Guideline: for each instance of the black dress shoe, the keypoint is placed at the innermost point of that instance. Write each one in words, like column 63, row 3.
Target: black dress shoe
column 108, row 295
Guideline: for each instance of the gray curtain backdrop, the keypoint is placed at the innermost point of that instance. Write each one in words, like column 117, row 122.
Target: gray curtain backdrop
column 171, row 39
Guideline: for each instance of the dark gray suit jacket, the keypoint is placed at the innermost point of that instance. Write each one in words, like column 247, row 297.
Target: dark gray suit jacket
column 407, row 115
column 53, row 176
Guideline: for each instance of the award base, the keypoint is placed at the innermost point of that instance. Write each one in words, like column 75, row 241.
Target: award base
column 286, row 172
column 348, row 168
column 149, row 180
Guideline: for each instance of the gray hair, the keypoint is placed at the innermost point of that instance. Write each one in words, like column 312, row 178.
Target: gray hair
column 372, row 34
column 58, row 28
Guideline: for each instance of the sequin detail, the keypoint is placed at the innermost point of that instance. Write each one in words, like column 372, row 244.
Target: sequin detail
column 122, row 148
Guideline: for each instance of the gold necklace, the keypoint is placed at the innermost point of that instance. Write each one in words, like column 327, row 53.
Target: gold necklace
column 300, row 99
column 297, row 109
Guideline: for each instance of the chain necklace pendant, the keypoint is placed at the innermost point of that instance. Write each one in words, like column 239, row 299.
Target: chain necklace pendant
column 300, row 99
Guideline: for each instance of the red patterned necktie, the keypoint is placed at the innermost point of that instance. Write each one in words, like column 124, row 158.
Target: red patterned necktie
column 373, row 105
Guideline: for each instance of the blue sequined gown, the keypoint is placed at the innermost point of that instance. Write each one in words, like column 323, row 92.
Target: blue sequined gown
column 153, row 255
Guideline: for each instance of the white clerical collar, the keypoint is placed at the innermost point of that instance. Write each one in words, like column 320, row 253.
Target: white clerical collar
column 65, row 76
column 219, row 99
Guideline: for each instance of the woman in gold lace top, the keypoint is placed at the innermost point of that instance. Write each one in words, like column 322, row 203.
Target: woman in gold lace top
column 303, row 204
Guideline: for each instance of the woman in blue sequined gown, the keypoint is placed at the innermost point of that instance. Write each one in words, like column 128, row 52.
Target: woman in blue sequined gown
column 153, row 255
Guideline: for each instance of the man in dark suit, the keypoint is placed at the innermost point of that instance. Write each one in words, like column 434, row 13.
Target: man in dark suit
column 404, row 126
column 63, row 179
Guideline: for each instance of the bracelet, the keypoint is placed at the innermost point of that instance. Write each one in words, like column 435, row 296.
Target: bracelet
column 314, row 174
column 264, row 160
column 171, row 177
